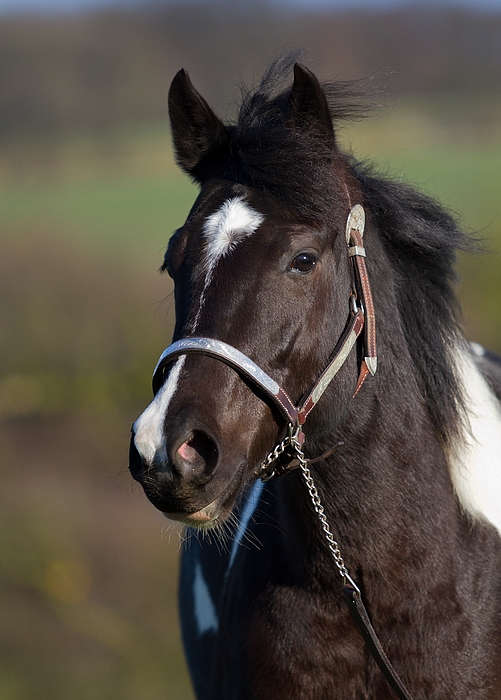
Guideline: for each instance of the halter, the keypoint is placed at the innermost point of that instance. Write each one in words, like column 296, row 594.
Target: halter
column 289, row 454
column 361, row 317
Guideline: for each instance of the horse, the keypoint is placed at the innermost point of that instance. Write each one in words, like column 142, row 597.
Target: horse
column 320, row 423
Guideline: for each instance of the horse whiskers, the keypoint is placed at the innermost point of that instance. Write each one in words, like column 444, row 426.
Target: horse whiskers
column 170, row 527
column 222, row 535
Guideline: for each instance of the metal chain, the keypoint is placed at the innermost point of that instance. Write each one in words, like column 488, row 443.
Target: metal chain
column 292, row 440
column 319, row 510
column 263, row 472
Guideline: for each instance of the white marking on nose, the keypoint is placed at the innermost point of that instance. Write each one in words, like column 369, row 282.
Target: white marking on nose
column 148, row 429
column 205, row 612
column 223, row 231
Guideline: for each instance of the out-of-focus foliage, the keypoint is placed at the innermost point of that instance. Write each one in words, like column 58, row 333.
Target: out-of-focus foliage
column 114, row 66
column 77, row 336
column 86, row 310
column 89, row 195
column 87, row 580
column 87, row 584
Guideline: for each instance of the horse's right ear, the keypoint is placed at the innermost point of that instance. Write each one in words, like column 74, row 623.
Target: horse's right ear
column 200, row 137
column 307, row 103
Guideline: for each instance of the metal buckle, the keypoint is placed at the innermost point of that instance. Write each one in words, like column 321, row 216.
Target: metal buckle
column 354, row 303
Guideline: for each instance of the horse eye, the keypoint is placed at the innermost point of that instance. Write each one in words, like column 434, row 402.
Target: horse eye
column 304, row 262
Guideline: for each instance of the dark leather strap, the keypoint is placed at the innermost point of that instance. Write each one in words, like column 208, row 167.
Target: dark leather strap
column 356, row 251
column 366, row 294
column 359, row 613
column 341, row 352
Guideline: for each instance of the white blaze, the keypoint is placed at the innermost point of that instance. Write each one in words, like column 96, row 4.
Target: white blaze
column 227, row 227
column 223, row 231
column 148, row 429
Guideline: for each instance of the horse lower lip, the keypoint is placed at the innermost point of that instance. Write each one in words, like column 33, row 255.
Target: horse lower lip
column 200, row 517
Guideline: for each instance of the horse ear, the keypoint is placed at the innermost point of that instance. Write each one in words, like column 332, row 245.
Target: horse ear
column 307, row 104
column 199, row 136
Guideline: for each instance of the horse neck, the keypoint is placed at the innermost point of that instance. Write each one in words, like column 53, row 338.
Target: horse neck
column 384, row 490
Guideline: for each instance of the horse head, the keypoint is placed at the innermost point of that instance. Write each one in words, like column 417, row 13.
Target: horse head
column 261, row 264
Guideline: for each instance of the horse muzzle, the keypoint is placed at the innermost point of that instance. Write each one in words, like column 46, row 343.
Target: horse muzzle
column 184, row 482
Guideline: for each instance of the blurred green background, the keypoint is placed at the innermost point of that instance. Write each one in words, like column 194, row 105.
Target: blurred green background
column 89, row 196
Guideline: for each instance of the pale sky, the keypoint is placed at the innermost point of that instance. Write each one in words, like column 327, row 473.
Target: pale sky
column 50, row 6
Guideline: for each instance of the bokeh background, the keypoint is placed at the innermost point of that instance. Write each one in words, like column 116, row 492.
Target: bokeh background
column 89, row 196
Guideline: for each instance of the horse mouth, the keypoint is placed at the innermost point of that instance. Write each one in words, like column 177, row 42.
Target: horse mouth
column 214, row 512
column 202, row 519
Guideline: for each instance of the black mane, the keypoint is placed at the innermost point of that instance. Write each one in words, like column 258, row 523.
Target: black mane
column 293, row 164
column 420, row 237
column 421, row 240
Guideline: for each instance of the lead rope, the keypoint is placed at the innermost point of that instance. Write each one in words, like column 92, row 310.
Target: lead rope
column 350, row 588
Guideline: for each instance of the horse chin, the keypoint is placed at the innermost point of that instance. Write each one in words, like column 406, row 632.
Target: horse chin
column 214, row 513
column 203, row 519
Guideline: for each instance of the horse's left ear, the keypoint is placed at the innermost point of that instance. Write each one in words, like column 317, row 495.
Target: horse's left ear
column 307, row 104
column 200, row 137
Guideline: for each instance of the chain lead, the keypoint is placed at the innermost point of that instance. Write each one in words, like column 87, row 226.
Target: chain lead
column 265, row 473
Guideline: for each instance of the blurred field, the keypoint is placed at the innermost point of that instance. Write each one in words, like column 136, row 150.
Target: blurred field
column 87, row 577
column 87, row 568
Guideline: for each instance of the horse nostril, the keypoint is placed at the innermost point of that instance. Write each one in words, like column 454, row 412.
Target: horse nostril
column 198, row 454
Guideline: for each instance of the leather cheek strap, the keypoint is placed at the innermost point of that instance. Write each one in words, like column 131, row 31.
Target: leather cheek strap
column 356, row 251
column 341, row 352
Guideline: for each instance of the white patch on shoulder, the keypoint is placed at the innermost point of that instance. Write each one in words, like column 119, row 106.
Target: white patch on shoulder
column 477, row 349
column 205, row 612
column 476, row 463
column 148, row 429
column 227, row 227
